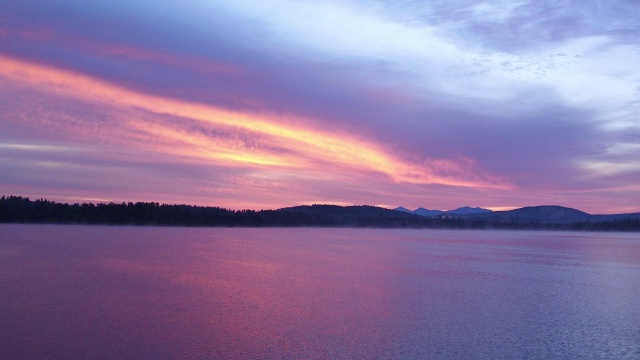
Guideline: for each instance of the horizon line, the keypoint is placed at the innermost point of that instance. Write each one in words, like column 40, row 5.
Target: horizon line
column 387, row 207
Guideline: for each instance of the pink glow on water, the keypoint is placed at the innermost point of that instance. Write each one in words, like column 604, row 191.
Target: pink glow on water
column 117, row 292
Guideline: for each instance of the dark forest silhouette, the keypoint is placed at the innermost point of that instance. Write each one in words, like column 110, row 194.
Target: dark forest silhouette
column 16, row 209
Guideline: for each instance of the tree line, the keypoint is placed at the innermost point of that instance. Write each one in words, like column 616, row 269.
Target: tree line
column 16, row 209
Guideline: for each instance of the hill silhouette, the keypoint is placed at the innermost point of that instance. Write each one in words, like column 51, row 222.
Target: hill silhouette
column 16, row 209
column 459, row 211
column 468, row 210
column 543, row 214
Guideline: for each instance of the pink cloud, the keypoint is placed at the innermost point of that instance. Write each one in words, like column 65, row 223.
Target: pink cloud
column 308, row 148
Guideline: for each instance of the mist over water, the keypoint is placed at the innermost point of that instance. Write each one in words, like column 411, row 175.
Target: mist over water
column 94, row 292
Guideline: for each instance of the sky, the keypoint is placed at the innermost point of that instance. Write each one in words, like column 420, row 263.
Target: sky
column 275, row 103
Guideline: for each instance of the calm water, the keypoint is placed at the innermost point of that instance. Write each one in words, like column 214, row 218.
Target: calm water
column 76, row 292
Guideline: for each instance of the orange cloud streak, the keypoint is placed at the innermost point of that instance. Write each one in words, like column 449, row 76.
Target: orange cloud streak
column 198, row 146
column 305, row 144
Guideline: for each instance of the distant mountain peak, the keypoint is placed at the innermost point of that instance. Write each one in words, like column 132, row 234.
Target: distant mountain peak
column 469, row 210
column 426, row 212
column 459, row 211
column 403, row 209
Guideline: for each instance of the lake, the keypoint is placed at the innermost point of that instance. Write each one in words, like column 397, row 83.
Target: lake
column 99, row 292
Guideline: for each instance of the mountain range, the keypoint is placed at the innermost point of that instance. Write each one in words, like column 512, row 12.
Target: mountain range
column 459, row 211
column 551, row 214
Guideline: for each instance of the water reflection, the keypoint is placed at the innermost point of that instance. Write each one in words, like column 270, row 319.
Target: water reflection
column 119, row 292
